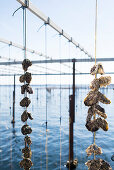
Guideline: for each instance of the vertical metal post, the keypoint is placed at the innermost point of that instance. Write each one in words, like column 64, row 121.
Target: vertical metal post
column 72, row 163
column 73, row 90
column 13, row 120
column 71, row 117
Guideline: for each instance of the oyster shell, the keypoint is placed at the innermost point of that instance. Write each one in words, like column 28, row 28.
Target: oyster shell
column 26, row 129
column 95, row 84
column 100, row 111
column 97, row 69
column 26, row 77
column 94, row 96
column 24, row 116
column 27, row 152
column 26, row 63
column 26, row 88
column 26, row 164
column 25, row 102
column 104, row 81
column 93, row 149
column 94, row 125
column 27, row 139
column 98, row 164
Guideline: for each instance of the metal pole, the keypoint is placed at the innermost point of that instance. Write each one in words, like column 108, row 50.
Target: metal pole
column 73, row 90
column 72, row 163
column 71, row 118
column 13, row 120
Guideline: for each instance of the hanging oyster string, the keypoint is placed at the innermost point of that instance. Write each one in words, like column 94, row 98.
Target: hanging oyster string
column 26, row 163
column 92, row 101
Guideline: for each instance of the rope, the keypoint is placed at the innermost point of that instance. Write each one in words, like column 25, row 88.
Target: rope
column 46, row 69
column 95, row 59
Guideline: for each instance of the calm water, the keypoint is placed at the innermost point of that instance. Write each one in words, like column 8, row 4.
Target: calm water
column 46, row 147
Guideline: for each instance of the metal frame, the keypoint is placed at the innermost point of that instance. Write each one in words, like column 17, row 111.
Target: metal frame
column 48, row 21
column 57, row 61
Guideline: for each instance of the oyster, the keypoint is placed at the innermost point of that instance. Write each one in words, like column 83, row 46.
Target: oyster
column 100, row 111
column 25, row 102
column 27, row 139
column 93, row 149
column 26, row 164
column 26, row 77
column 97, row 69
column 24, row 116
column 26, row 63
column 26, row 130
column 95, row 84
column 94, row 125
column 98, row 164
column 104, row 81
column 29, row 116
column 27, row 152
column 94, row 96
column 26, row 88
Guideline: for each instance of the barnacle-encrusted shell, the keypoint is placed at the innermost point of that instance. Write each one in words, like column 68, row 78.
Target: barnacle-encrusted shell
column 93, row 149
column 98, row 164
column 25, row 102
column 30, row 117
column 26, row 63
column 27, row 139
column 94, row 125
column 24, row 116
column 26, row 88
column 27, row 152
column 26, row 164
column 26, row 129
column 100, row 111
column 26, row 77
column 94, row 96
column 95, row 84
column 97, row 69
column 104, row 81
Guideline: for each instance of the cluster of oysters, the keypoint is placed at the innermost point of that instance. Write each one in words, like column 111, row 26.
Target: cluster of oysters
column 95, row 110
column 26, row 163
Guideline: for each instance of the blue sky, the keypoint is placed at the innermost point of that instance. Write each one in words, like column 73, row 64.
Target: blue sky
column 76, row 17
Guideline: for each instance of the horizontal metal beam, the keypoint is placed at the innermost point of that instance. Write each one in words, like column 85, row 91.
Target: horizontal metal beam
column 52, row 74
column 22, row 47
column 58, row 61
column 48, row 21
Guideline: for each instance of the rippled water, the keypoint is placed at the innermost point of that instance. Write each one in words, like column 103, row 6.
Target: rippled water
column 46, row 147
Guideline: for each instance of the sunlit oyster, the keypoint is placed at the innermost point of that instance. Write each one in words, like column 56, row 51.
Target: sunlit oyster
column 27, row 139
column 95, row 84
column 26, row 129
column 93, row 149
column 103, row 98
column 26, row 77
column 100, row 111
column 26, row 164
column 24, row 116
column 26, row 63
column 26, row 88
column 27, row 152
column 98, row 164
column 94, row 96
column 97, row 69
column 25, row 102
column 94, row 125
column 104, row 81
